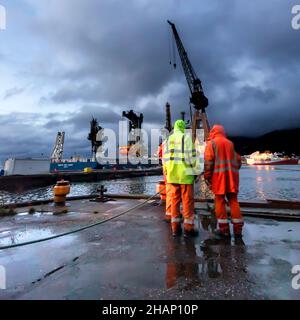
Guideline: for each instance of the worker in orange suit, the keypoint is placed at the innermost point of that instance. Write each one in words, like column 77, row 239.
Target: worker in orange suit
column 178, row 161
column 168, row 189
column 221, row 171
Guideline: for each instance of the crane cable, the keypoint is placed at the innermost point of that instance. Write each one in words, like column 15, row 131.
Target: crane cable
column 81, row 228
column 174, row 52
column 170, row 46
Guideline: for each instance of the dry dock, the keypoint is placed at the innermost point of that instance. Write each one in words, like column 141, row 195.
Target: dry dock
column 135, row 256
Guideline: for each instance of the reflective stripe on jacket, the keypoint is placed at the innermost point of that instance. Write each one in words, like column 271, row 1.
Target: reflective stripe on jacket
column 179, row 158
column 222, row 163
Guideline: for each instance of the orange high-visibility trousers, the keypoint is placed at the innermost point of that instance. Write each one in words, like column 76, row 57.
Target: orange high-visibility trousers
column 168, row 202
column 184, row 193
column 221, row 214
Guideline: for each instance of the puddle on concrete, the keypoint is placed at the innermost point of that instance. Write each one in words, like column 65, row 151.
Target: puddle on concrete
column 45, row 213
column 265, row 258
column 14, row 237
column 271, row 232
column 35, row 214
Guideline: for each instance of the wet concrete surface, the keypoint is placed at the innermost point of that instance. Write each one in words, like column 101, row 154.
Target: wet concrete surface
column 136, row 257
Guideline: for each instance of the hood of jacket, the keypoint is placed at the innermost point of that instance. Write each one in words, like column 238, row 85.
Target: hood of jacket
column 217, row 130
column 179, row 126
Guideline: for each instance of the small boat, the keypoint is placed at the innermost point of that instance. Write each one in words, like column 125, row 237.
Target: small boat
column 268, row 158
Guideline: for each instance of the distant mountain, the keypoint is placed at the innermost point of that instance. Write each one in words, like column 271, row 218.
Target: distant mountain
column 287, row 141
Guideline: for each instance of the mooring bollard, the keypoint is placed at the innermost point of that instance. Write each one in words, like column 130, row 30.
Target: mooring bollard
column 60, row 192
column 102, row 197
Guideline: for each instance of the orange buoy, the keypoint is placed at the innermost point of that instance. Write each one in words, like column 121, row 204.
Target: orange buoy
column 161, row 188
column 60, row 191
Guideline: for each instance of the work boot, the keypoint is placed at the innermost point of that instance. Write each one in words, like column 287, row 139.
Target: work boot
column 190, row 233
column 238, row 241
column 238, row 235
column 177, row 232
column 167, row 218
column 218, row 235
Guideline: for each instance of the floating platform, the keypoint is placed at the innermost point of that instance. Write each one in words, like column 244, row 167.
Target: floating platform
column 20, row 183
column 134, row 256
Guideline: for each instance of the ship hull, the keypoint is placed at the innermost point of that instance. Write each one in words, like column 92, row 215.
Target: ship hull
column 275, row 162
column 72, row 166
column 79, row 166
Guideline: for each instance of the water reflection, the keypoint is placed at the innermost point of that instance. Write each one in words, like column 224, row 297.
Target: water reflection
column 182, row 262
column 140, row 185
column 12, row 237
column 269, row 182
column 189, row 267
column 134, row 187
column 185, row 267
column 256, row 183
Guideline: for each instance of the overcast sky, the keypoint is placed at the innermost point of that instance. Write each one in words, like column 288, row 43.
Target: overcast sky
column 64, row 61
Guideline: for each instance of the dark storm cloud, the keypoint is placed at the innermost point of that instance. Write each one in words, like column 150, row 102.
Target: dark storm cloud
column 122, row 56
column 80, row 120
column 12, row 92
column 74, row 93
column 39, row 131
column 256, row 93
column 34, row 139
column 113, row 55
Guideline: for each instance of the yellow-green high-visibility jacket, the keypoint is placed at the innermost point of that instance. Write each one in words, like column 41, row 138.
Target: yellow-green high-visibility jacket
column 179, row 158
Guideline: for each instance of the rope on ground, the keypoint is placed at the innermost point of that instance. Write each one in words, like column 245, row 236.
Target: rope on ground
column 79, row 229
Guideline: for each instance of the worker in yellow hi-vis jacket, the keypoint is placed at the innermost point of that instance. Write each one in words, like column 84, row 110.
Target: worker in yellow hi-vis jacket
column 178, row 161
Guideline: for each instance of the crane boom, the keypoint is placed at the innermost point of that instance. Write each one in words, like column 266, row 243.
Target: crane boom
column 58, row 149
column 197, row 99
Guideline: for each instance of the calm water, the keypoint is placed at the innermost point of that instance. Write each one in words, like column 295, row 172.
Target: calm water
column 256, row 183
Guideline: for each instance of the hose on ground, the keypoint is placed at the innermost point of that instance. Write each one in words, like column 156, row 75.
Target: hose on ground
column 79, row 229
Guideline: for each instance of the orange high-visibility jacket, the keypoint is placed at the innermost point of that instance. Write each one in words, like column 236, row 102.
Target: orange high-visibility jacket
column 160, row 153
column 222, row 163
